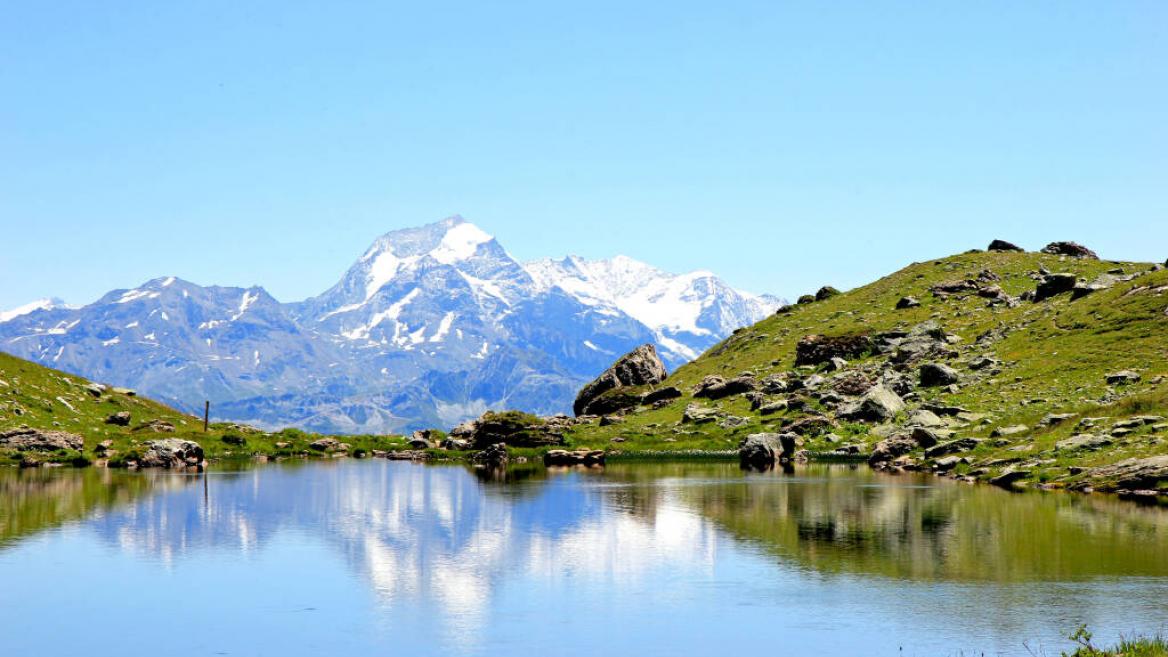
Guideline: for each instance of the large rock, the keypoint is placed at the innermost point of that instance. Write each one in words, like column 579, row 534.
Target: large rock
column 891, row 448
column 877, row 405
column 563, row 457
column 763, row 449
column 953, row 446
column 716, row 387
column 121, row 419
column 1131, row 474
column 1055, row 284
column 1123, row 377
column 1069, row 249
column 933, row 375
column 510, row 427
column 664, row 393
column 1003, row 245
column 826, row 292
column 816, row 349
column 1084, row 441
column 641, row 366
column 25, row 439
column 171, row 453
column 492, row 456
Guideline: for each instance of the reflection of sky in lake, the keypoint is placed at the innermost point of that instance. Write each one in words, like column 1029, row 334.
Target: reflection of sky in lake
column 393, row 558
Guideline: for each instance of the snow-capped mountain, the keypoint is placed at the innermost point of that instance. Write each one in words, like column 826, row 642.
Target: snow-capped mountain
column 688, row 313
column 39, row 304
column 430, row 326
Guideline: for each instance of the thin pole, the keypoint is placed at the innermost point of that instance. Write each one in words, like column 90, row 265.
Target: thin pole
column 206, row 414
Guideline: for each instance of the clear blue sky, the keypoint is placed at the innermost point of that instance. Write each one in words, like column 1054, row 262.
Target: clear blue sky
column 783, row 145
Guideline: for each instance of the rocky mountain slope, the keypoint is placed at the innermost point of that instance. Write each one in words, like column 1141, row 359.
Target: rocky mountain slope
column 431, row 326
column 1018, row 368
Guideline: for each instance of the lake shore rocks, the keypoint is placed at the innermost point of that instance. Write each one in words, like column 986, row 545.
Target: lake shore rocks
column 26, row 439
column 171, row 453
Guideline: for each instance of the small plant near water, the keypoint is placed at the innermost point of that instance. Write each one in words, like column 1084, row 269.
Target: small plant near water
column 1138, row 647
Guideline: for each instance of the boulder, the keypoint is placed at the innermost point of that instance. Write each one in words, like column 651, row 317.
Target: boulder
column 95, row 389
column 891, row 448
column 924, row 418
column 1054, row 284
column 642, row 366
column 455, row 444
column 716, row 387
column 25, row 439
column 959, row 445
column 171, row 453
column 1069, row 249
column 1002, row 245
column 1131, row 474
column 815, row 349
column 1008, row 478
column 697, row 414
column 947, row 463
column 983, row 362
column 561, row 457
column 805, row 299
column 763, row 449
column 812, row 425
column 660, row 394
column 925, row 437
column 1122, row 377
column 510, row 427
column 155, row 426
column 326, row 445
column 1052, row 419
column 1083, row 441
column 121, row 419
column 1009, row 431
column 907, row 302
column 1101, row 282
column 933, row 375
column 826, row 292
column 492, row 456
column 877, row 405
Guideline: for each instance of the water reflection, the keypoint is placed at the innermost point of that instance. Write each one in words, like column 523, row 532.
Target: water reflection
column 446, row 546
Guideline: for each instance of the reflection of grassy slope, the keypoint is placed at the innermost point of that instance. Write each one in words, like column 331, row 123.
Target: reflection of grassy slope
column 44, row 398
column 1056, row 355
column 940, row 532
column 32, row 500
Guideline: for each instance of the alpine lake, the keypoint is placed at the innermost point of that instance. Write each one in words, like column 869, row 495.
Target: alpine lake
column 349, row 557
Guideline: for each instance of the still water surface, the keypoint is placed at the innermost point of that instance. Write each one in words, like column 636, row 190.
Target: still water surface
column 376, row 557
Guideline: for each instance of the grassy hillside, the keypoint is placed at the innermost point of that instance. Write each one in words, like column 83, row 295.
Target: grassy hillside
column 43, row 398
column 1049, row 357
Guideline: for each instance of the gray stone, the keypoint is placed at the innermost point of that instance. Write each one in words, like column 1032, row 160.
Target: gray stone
column 25, row 439
column 121, row 419
column 1070, row 249
column 1084, row 441
column 641, row 366
column 877, row 405
column 907, row 302
column 1123, row 377
column 1003, row 245
column 171, row 453
column 937, row 374
column 1054, row 284
column 1009, row 431
column 959, row 445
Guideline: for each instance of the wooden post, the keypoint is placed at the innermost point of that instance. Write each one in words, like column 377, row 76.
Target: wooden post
column 206, row 414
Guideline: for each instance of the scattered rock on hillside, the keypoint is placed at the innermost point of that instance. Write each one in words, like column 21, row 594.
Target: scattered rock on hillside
column 1085, row 441
column 1054, row 284
column 1014, row 430
column 171, row 453
column 826, row 292
column 816, row 349
column 1101, row 282
column 805, row 299
column 697, row 414
column 1123, row 377
column 327, row 445
column 1003, row 245
column 983, row 362
column 1052, row 419
column 907, row 302
column 642, row 366
column 95, row 389
column 877, row 405
column 156, row 426
column 716, row 387
column 1131, row 474
column 763, row 449
column 1070, row 249
column 1008, row 478
column 959, row 445
column 933, row 375
column 121, row 419
column 892, row 447
column 660, row 394
column 26, row 439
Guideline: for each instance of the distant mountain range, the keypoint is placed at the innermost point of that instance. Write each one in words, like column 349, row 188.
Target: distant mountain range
column 431, row 326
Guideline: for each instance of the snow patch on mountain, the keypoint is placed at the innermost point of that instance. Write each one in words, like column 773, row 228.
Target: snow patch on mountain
column 31, row 307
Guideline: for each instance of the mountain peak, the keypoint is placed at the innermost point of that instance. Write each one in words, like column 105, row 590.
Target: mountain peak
column 39, row 304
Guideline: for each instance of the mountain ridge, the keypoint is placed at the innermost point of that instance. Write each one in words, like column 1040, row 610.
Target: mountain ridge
column 431, row 325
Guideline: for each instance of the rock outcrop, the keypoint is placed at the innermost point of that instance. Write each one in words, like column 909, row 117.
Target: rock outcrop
column 171, row 453
column 1069, row 249
column 1002, row 245
column 815, row 349
column 641, row 366
column 764, row 449
column 510, row 427
column 25, row 439
column 562, row 457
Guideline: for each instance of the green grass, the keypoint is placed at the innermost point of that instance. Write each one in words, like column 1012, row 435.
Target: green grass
column 1055, row 357
column 1154, row 646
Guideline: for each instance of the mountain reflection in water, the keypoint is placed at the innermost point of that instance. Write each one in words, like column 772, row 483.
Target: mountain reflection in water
column 458, row 562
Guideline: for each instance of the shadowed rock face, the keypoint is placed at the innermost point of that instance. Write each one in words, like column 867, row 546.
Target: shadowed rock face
column 1070, row 249
column 1003, row 245
column 641, row 366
